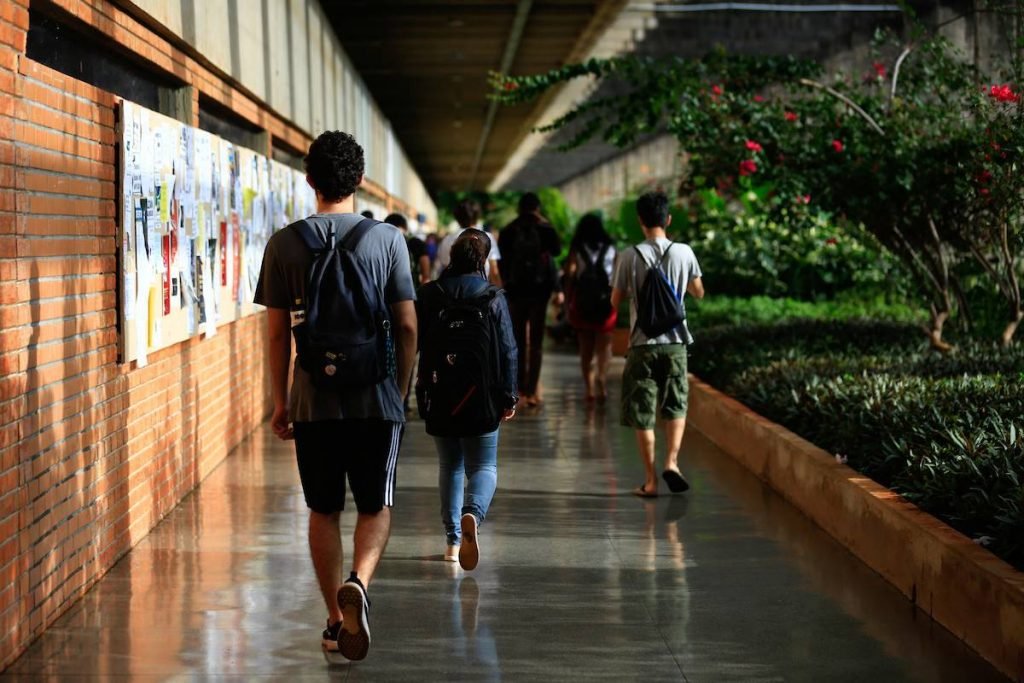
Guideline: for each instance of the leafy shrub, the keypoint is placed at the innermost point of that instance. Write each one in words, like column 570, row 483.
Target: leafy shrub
column 721, row 353
column 718, row 310
column 943, row 431
column 759, row 244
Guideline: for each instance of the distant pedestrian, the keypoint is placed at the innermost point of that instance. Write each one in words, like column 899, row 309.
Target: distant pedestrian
column 655, row 275
column 419, row 261
column 432, row 243
column 467, row 213
column 466, row 385
column 530, row 247
column 588, row 270
column 342, row 285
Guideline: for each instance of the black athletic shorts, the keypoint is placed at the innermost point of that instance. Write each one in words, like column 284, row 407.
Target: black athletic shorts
column 365, row 450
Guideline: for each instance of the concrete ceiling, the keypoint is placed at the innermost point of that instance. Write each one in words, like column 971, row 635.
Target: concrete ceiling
column 427, row 63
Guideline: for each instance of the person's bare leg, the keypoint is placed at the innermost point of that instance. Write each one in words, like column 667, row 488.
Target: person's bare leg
column 645, row 444
column 586, row 340
column 370, row 540
column 325, row 548
column 603, row 354
column 673, row 441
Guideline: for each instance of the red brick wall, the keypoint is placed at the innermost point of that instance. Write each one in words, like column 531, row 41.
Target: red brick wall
column 93, row 454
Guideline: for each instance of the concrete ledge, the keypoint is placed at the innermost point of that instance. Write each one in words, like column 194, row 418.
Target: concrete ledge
column 967, row 589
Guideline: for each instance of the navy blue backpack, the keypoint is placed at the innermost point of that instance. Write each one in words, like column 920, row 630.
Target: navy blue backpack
column 345, row 340
column 659, row 306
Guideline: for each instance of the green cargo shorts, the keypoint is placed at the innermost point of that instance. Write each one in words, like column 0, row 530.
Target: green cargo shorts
column 654, row 384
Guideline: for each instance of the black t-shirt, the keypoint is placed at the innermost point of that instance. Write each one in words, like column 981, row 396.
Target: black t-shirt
column 417, row 250
column 508, row 240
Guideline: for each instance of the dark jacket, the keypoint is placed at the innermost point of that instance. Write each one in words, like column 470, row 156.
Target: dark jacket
column 507, row 244
column 431, row 301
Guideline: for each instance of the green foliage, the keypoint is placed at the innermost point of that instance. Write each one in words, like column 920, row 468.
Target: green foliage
column 499, row 208
column 749, row 248
column 718, row 310
column 559, row 214
column 912, row 150
column 942, row 430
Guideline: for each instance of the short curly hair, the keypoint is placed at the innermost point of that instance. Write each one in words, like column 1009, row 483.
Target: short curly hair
column 335, row 165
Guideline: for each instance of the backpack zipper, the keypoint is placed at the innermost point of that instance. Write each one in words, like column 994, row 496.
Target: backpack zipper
column 465, row 398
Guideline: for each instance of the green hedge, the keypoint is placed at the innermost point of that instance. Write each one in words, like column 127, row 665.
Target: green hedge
column 718, row 310
column 943, row 431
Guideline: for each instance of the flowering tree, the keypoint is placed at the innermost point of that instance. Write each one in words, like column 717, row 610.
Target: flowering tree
column 905, row 150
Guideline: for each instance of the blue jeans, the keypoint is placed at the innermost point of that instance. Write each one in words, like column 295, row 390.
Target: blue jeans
column 472, row 457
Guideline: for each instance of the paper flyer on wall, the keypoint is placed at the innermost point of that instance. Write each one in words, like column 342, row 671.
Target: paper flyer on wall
column 142, row 309
column 196, row 215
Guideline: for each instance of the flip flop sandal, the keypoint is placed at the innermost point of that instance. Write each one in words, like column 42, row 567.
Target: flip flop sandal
column 641, row 492
column 676, row 482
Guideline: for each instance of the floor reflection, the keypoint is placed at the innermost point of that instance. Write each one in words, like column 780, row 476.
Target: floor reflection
column 578, row 578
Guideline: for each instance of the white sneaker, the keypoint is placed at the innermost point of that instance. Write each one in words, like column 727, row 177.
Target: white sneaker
column 469, row 551
column 451, row 553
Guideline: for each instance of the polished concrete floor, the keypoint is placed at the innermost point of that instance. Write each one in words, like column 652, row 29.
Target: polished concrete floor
column 578, row 580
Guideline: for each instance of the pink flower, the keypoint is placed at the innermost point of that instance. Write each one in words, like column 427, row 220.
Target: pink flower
column 754, row 146
column 831, row 242
column 984, row 191
column 716, row 89
column 837, row 145
column 748, row 167
column 879, row 69
column 791, row 116
column 985, row 177
column 509, row 85
column 758, row 98
column 1003, row 93
column 803, row 199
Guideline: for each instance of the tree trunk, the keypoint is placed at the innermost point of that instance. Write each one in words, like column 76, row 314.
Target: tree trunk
column 1006, row 339
column 938, row 320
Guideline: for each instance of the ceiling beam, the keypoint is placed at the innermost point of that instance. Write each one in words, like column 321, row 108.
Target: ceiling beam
column 511, row 47
column 601, row 23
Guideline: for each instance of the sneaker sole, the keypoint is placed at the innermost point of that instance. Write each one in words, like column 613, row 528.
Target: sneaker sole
column 469, row 551
column 354, row 638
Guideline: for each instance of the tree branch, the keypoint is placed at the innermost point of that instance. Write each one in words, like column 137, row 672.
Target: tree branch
column 896, row 73
column 850, row 103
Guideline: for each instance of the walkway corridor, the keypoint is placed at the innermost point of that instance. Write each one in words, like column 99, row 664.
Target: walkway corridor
column 579, row 579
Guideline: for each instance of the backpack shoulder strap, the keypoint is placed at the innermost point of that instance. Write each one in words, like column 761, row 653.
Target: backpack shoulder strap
column 640, row 255
column 356, row 234
column 309, row 235
column 664, row 256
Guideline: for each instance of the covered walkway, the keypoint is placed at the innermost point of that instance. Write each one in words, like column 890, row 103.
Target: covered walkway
column 579, row 579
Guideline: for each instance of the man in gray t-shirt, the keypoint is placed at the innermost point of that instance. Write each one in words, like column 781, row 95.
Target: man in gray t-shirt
column 353, row 434
column 654, row 383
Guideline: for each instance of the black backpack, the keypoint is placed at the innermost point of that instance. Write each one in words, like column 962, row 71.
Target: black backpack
column 457, row 388
column 593, row 290
column 344, row 341
column 533, row 269
column 659, row 307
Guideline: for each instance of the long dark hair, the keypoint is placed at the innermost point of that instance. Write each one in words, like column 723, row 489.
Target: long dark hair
column 590, row 233
column 469, row 253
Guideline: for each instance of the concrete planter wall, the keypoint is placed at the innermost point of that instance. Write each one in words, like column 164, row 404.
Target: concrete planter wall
column 965, row 588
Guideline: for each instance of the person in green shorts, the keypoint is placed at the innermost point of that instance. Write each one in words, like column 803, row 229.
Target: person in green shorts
column 654, row 382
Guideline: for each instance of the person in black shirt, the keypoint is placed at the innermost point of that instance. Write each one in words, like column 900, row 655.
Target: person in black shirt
column 418, row 258
column 529, row 248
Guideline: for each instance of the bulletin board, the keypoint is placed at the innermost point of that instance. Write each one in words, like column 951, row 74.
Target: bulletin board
column 195, row 217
